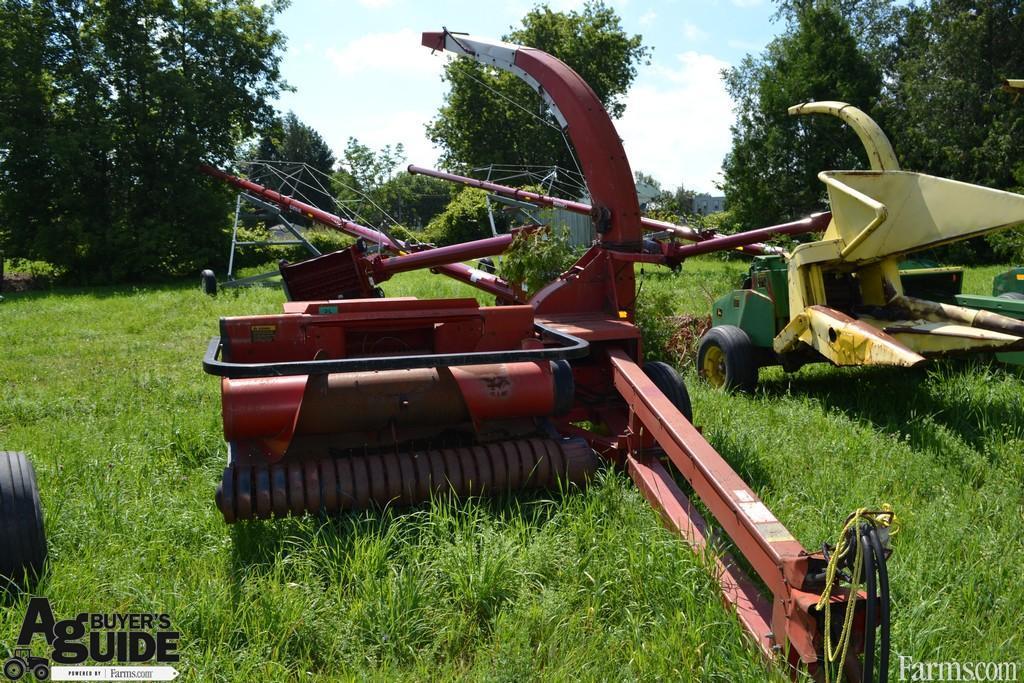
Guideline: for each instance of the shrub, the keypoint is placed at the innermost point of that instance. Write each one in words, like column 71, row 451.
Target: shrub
column 537, row 257
column 324, row 239
column 463, row 220
column 654, row 309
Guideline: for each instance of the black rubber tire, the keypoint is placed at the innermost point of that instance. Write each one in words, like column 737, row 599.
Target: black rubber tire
column 487, row 265
column 209, row 282
column 740, row 359
column 671, row 384
column 13, row 669
column 1012, row 296
column 21, row 523
column 41, row 672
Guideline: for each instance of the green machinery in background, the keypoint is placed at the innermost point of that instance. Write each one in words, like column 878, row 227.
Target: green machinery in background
column 1007, row 299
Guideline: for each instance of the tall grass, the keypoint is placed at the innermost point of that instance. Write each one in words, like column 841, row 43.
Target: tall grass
column 104, row 389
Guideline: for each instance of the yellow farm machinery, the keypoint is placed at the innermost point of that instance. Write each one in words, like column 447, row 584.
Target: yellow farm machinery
column 844, row 298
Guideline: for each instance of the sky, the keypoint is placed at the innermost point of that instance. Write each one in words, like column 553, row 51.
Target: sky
column 359, row 71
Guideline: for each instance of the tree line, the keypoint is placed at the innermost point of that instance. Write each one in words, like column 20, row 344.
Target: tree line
column 928, row 73
column 106, row 110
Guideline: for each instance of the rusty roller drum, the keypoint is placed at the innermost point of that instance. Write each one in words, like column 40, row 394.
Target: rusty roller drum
column 262, row 416
column 336, row 484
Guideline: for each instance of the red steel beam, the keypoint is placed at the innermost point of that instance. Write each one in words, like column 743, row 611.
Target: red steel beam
column 682, row 231
column 457, row 271
column 430, row 258
column 815, row 223
column 678, row 513
column 737, row 508
column 770, row 549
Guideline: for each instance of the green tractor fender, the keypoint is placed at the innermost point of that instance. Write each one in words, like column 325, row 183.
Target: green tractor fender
column 751, row 311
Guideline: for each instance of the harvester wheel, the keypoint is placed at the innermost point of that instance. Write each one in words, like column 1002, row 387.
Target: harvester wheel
column 1012, row 296
column 21, row 522
column 209, row 282
column 726, row 359
column 671, row 384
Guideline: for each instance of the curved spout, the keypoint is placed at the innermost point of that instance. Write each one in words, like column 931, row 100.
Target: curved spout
column 877, row 145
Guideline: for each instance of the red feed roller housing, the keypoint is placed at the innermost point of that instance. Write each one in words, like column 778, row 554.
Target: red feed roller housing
column 266, row 413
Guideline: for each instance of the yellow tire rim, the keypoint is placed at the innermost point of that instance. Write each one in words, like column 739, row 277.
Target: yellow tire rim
column 713, row 367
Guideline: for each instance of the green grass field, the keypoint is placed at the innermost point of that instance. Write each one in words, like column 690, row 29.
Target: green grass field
column 104, row 389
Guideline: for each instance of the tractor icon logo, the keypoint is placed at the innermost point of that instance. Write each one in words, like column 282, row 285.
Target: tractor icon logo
column 22, row 662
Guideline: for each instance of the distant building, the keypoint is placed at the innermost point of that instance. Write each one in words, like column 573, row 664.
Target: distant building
column 704, row 204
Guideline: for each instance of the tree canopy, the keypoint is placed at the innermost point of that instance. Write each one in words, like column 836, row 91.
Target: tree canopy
column 928, row 72
column 289, row 139
column 771, row 172
column 492, row 117
column 106, row 111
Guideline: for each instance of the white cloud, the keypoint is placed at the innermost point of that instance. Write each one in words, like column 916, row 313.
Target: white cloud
column 381, row 53
column 406, row 127
column 676, row 125
column 566, row 5
column 648, row 17
column 376, row 4
column 745, row 45
column 692, row 32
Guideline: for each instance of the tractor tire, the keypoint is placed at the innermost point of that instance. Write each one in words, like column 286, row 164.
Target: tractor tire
column 726, row 359
column 209, row 282
column 13, row 669
column 41, row 672
column 665, row 377
column 1012, row 296
column 21, row 523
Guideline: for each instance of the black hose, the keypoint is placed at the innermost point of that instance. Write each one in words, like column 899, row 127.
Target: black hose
column 883, row 586
column 871, row 616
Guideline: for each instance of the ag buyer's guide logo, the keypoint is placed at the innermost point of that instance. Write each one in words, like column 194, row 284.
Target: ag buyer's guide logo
column 103, row 638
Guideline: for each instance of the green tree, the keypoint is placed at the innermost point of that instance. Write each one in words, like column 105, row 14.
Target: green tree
column 118, row 105
column 770, row 174
column 465, row 218
column 368, row 168
column 944, row 111
column 414, row 200
column 492, row 117
column 289, row 139
column 363, row 178
column 875, row 23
